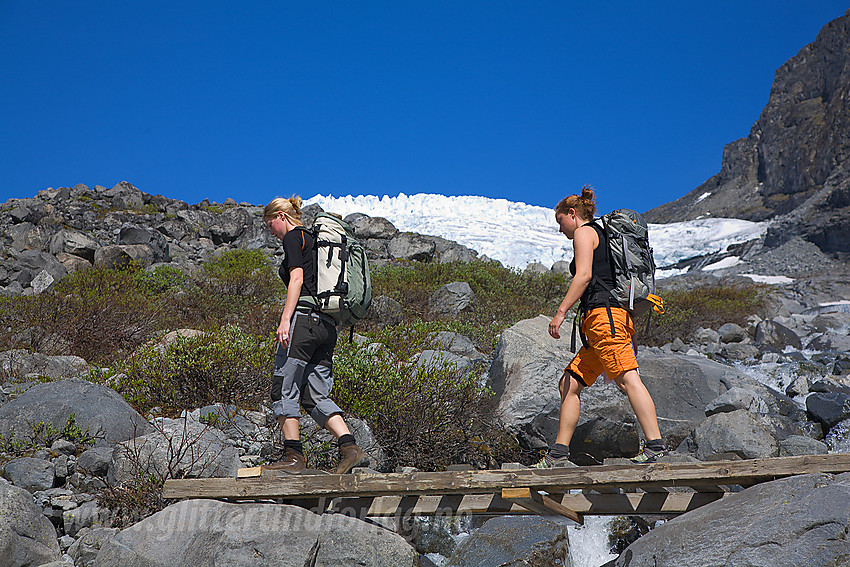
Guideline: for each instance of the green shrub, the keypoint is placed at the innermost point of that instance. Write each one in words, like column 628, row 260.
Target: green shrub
column 424, row 417
column 221, row 366
column 97, row 314
column 133, row 501
column 503, row 295
column 244, row 274
column 43, row 434
column 161, row 279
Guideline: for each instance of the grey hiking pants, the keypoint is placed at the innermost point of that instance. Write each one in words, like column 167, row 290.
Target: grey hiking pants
column 304, row 370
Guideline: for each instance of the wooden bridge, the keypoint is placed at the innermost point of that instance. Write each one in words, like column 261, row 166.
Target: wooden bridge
column 665, row 489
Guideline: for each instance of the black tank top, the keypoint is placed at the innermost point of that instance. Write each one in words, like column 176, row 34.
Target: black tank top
column 596, row 295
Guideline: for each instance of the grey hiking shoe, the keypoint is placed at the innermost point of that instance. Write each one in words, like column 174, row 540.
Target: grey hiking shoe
column 648, row 455
column 549, row 462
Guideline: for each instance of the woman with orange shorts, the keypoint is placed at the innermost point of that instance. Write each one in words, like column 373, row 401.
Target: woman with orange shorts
column 604, row 351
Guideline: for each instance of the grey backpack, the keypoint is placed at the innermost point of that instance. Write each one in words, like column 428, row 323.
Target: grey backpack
column 632, row 264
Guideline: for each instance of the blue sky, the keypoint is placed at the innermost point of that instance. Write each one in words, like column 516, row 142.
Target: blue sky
column 519, row 100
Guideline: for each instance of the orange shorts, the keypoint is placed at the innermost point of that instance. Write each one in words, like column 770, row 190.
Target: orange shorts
column 611, row 355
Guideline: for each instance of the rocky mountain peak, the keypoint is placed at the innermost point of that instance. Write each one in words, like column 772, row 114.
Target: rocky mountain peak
column 793, row 165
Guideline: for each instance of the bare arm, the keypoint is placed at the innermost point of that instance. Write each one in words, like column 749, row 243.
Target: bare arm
column 585, row 242
column 293, row 292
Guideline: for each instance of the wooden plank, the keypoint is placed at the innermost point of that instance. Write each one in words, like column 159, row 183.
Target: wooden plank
column 491, row 481
column 249, row 472
column 539, row 503
column 656, row 504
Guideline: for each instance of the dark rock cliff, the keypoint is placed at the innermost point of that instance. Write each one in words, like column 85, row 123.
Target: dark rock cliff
column 793, row 167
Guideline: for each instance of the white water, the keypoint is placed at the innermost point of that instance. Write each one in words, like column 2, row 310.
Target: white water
column 589, row 546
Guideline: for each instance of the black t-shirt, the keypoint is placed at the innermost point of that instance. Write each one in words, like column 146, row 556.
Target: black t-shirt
column 596, row 295
column 298, row 247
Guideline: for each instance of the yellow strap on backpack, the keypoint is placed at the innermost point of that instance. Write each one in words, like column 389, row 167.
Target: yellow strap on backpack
column 657, row 303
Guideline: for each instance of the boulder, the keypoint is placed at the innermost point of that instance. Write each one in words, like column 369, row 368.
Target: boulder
column 19, row 363
column 30, row 474
column 73, row 263
column 348, row 541
column 828, row 408
column 373, row 227
column 74, row 242
column 796, row 445
column 731, row 333
column 385, row 311
column 831, row 322
column 230, row 226
column 739, row 351
column 734, row 399
column 176, row 448
column 524, row 377
column 132, row 235
column 451, row 299
column 122, row 255
column 100, row 410
column 831, row 341
column 86, row 515
column 429, row 360
column 411, row 246
column 448, row 251
column 561, row 267
column 206, row 532
column 27, row 236
column 773, row 334
column 95, row 461
column 706, row 337
column 515, row 540
column 26, row 536
column 89, row 543
column 800, row 520
column 457, row 344
column 124, row 196
column 235, row 423
column 536, row 268
column 737, row 433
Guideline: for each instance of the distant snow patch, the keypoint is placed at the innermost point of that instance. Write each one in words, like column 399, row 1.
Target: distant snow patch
column 517, row 233
column 724, row 263
column 768, row 279
column 703, row 196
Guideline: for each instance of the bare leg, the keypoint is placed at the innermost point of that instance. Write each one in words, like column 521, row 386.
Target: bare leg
column 336, row 425
column 570, row 389
column 642, row 404
column 289, row 428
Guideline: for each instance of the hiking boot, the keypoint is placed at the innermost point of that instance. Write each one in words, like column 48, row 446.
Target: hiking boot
column 292, row 462
column 648, row 455
column 549, row 462
column 349, row 457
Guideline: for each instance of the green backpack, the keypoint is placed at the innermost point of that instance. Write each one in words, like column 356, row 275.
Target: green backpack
column 344, row 289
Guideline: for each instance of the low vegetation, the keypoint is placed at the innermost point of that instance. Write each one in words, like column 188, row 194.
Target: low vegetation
column 427, row 416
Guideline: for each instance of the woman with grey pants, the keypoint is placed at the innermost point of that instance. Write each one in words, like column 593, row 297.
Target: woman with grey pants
column 303, row 368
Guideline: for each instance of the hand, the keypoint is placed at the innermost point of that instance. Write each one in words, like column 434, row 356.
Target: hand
column 282, row 333
column 555, row 326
